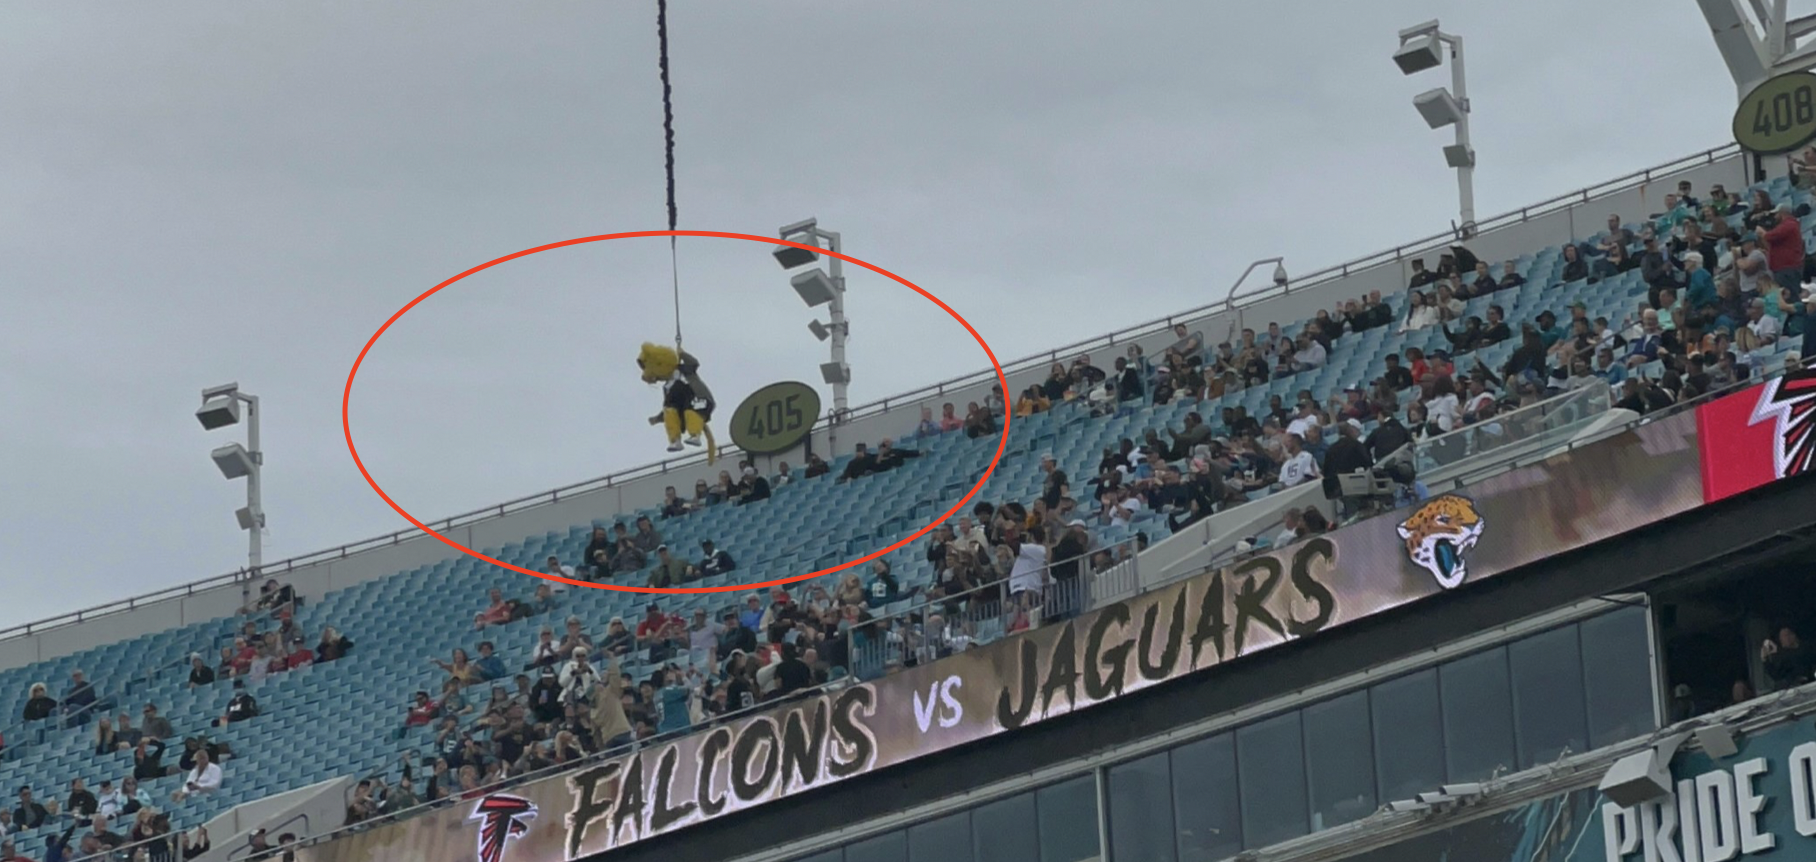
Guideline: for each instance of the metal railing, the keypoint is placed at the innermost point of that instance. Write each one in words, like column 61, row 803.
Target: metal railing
column 935, row 628
column 1329, row 274
column 1553, row 417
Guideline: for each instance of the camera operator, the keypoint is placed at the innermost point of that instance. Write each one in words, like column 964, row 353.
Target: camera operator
column 1346, row 455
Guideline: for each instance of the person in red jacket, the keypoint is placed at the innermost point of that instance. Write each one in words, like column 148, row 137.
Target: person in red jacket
column 1784, row 248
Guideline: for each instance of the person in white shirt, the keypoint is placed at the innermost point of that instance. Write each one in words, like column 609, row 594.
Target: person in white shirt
column 547, row 651
column 1289, row 529
column 1444, row 408
column 1127, row 505
column 204, row 778
column 1310, row 354
column 109, row 800
column 1307, row 419
column 1299, row 465
column 1761, row 330
column 1419, row 314
column 1029, row 573
column 577, row 677
column 554, row 567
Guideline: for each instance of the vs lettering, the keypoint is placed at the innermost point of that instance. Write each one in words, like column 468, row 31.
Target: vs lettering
column 940, row 700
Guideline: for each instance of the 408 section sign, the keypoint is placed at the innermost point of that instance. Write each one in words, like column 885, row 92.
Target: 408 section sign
column 1778, row 116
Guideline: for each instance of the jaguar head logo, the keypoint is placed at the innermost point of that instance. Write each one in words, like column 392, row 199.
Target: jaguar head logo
column 1439, row 535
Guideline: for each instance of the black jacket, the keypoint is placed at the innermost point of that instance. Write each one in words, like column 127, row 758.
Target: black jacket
column 893, row 459
column 1347, row 455
column 1387, row 437
column 859, row 465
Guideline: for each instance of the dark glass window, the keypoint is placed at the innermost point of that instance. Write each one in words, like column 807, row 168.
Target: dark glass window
column 1206, row 813
column 1478, row 716
column 1409, row 735
column 1339, row 760
column 1617, row 667
column 1005, row 830
column 833, row 855
column 1068, row 820
column 947, row 839
column 1549, row 713
column 887, row 847
column 1270, row 762
column 1141, row 810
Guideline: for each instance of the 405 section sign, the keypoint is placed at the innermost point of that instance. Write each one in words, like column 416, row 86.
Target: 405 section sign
column 775, row 419
column 1779, row 115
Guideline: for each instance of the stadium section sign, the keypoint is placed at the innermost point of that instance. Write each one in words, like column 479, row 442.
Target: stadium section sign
column 1777, row 116
column 1507, row 521
column 776, row 418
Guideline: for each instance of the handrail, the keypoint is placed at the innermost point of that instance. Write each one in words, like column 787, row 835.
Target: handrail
column 1231, row 303
column 1123, row 551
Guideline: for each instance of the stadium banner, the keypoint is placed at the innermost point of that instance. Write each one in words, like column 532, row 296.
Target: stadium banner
column 1758, row 435
column 1509, row 520
column 1759, row 803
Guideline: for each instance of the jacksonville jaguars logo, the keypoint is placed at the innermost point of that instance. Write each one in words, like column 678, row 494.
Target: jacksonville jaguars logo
column 501, row 817
column 1439, row 535
column 1791, row 402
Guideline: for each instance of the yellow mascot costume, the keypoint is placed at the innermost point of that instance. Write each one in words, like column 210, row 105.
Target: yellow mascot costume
column 686, row 402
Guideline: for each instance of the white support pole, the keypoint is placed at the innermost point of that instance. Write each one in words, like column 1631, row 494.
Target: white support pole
column 839, row 390
column 255, row 555
column 1466, row 173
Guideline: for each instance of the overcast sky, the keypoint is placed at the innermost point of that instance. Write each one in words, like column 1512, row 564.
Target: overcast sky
column 198, row 192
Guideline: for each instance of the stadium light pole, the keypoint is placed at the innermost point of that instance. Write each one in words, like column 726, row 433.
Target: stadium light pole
column 1421, row 48
column 1280, row 281
column 221, row 408
column 818, row 287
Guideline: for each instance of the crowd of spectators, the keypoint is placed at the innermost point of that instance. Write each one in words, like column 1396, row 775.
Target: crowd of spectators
column 120, row 820
column 1718, row 293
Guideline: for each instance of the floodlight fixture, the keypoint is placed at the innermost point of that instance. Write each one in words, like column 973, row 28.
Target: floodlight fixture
column 1439, row 108
column 1643, row 776
column 790, row 256
column 835, row 373
column 1717, row 740
column 218, row 412
column 1419, row 49
column 815, row 287
column 233, row 460
column 818, row 329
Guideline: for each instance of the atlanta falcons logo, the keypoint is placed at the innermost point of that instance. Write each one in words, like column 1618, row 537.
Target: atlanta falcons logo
column 502, row 818
column 1791, row 401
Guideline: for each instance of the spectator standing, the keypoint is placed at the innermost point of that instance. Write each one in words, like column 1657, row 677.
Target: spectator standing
column 1785, row 660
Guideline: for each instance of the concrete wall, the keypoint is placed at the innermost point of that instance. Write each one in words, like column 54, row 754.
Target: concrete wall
column 1580, row 215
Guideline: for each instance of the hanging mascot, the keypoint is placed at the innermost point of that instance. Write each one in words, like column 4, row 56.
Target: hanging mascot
column 686, row 402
